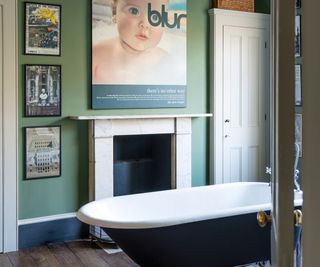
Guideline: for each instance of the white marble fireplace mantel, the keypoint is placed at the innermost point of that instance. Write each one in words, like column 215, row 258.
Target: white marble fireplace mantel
column 125, row 117
column 102, row 129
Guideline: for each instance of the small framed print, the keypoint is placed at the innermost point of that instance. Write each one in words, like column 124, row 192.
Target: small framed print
column 298, row 133
column 42, row 152
column 42, row 29
column 298, row 36
column 298, row 97
column 42, row 90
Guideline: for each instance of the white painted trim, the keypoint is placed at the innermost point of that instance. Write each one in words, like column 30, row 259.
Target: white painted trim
column 47, row 218
column 9, row 130
column 125, row 117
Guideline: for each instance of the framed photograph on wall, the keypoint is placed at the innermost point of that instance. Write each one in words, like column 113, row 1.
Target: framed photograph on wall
column 42, row 90
column 42, row 29
column 42, row 152
column 297, row 38
column 298, row 96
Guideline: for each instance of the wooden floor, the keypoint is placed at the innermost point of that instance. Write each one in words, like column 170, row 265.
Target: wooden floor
column 81, row 253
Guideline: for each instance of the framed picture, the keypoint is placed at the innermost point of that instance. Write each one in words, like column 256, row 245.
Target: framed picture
column 298, row 97
column 298, row 3
column 42, row 90
column 42, row 29
column 155, row 76
column 298, row 132
column 42, row 152
column 298, row 36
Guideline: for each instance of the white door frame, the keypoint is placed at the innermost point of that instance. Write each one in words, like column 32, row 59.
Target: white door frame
column 8, row 117
column 219, row 18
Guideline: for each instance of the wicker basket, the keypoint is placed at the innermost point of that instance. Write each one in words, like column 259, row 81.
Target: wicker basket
column 241, row 5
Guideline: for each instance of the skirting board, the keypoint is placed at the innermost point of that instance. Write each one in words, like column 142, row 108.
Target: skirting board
column 44, row 230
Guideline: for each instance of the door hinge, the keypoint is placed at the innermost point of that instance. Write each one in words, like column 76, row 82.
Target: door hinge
column 265, row 44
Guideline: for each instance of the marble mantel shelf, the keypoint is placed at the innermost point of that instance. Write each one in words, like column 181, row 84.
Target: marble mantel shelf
column 126, row 117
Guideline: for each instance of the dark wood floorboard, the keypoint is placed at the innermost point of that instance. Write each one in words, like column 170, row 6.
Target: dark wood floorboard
column 115, row 259
column 5, row 261
column 64, row 255
column 42, row 257
column 21, row 259
column 77, row 253
column 87, row 254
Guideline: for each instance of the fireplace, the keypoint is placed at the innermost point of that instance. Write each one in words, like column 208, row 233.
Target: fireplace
column 103, row 132
column 141, row 163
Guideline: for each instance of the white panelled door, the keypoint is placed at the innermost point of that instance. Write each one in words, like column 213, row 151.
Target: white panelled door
column 245, row 98
column 240, row 88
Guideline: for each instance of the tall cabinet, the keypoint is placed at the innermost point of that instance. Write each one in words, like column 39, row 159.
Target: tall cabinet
column 239, row 93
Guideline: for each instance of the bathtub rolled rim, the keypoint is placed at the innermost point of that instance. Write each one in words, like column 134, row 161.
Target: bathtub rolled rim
column 87, row 214
column 165, row 222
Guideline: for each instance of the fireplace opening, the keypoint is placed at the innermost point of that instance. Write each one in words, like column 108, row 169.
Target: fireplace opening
column 142, row 163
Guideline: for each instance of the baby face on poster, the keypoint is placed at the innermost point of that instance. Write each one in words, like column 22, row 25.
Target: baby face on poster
column 135, row 32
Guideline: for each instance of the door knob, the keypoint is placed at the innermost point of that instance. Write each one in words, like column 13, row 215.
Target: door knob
column 226, row 136
column 227, row 120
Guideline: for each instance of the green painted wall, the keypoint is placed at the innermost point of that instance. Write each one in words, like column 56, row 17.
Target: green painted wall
column 67, row 193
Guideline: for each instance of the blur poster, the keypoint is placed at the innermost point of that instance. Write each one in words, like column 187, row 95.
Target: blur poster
column 139, row 54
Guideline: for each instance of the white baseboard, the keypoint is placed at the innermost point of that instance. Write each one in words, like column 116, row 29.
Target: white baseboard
column 47, row 218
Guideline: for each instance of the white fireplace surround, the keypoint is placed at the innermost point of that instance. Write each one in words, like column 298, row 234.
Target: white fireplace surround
column 102, row 129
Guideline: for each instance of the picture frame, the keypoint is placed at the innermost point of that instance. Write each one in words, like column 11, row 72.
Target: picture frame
column 42, row 90
column 42, row 152
column 297, row 36
column 42, row 29
column 298, row 3
column 117, row 83
column 298, row 93
column 298, row 132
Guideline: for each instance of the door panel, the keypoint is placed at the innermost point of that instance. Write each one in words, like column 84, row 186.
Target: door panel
column 253, row 160
column 236, row 171
column 244, row 89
